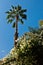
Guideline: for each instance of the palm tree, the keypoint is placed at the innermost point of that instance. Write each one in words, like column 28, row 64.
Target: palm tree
column 14, row 15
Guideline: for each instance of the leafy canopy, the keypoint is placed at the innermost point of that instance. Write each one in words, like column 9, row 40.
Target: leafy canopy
column 16, row 11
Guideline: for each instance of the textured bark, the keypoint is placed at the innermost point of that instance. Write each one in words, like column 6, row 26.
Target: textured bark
column 16, row 33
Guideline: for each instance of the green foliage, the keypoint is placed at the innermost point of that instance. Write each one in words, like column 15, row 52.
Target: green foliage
column 21, row 21
column 41, row 22
column 14, row 25
column 16, row 11
column 29, row 50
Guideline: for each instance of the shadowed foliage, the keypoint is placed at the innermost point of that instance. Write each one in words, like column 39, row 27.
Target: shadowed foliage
column 29, row 50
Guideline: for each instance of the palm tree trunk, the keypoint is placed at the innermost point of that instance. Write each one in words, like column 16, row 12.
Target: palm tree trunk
column 16, row 33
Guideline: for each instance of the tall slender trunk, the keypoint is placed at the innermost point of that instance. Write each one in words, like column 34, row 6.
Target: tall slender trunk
column 16, row 33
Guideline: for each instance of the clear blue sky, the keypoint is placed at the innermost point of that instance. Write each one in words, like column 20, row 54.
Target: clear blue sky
column 34, row 14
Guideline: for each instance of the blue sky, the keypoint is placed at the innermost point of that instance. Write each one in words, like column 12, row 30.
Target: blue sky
column 34, row 14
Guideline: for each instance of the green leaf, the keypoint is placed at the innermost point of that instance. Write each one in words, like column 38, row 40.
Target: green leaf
column 14, row 25
column 11, row 10
column 19, row 7
column 8, row 16
column 12, row 7
column 23, row 16
column 14, row 12
column 7, row 12
column 10, row 21
column 21, row 21
column 22, row 11
column 15, row 7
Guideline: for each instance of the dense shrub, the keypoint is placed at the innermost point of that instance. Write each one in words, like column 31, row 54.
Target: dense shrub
column 29, row 50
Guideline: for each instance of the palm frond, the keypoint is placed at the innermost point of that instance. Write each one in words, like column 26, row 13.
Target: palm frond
column 23, row 16
column 21, row 21
column 11, row 10
column 22, row 11
column 15, row 7
column 12, row 6
column 8, row 16
column 19, row 7
column 10, row 21
column 14, row 25
column 7, row 12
